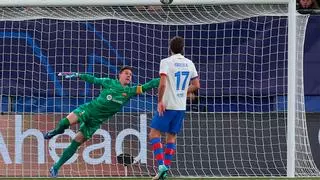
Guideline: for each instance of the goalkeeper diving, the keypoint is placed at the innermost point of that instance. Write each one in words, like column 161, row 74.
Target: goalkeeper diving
column 115, row 93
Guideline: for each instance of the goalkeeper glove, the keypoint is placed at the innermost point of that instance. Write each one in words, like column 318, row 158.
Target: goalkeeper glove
column 69, row 75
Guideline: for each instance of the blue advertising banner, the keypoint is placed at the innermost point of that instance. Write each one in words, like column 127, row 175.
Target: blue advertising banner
column 311, row 57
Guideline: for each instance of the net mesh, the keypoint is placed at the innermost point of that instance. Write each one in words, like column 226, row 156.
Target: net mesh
column 235, row 126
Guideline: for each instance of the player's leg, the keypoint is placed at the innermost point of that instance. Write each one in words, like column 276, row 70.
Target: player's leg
column 171, row 136
column 159, row 124
column 63, row 124
column 68, row 153
column 74, row 117
column 86, row 131
column 170, row 148
column 157, row 147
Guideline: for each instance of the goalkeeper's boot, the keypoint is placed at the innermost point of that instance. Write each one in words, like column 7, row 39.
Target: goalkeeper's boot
column 162, row 173
column 50, row 134
column 53, row 172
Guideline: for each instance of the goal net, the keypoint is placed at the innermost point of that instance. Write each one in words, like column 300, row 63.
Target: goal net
column 236, row 125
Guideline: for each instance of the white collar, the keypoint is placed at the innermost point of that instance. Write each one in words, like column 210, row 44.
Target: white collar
column 177, row 55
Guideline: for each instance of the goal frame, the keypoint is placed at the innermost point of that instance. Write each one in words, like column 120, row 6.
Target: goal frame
column 292, row 79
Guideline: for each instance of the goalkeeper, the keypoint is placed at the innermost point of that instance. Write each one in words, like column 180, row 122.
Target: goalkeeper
column 114, row 95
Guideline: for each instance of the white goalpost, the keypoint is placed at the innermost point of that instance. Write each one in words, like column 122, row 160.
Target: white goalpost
column 292, row 80
column 248, row 119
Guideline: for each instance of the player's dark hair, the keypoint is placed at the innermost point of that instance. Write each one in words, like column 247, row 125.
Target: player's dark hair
column 177, row 45
column 124, row 68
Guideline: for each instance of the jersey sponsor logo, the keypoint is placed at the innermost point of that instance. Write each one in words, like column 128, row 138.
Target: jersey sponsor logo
column 117, row 101
column 109, row 97
column 82, row 112
column 180, row 95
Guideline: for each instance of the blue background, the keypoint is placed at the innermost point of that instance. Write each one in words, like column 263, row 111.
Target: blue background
column 242, row 65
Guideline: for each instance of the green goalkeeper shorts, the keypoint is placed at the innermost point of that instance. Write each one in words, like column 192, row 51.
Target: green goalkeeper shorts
column 88, row 123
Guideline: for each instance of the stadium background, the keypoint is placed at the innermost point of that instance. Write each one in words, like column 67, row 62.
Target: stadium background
column 37, row 88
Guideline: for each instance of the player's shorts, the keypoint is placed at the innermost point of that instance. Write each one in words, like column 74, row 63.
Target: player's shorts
column 170, row 122
column 88, row 123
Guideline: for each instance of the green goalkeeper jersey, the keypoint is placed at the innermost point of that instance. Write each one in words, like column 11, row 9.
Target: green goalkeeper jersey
column 112, row 97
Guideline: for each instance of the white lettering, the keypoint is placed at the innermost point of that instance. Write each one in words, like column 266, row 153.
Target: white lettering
column 117, row 101
column 19, row 137
column 53, row 145
column 106, row 144
column 4, row 151
column 142, row 136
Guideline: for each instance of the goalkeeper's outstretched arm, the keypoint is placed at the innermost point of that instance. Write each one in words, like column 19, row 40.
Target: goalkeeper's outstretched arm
column 93, row 80
column 86, row 77
column 136, row 90
column 154, row 83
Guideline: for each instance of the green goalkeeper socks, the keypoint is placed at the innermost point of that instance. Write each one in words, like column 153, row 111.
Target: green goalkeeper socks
column 62, row 125
column 67, row 154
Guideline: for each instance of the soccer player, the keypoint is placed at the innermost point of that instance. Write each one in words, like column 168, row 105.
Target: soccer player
column 114, row 94
column 176, row 73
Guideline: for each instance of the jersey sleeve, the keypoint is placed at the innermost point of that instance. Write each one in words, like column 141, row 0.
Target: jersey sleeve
column 94, row 80
column 136, row 90
column 194, row 73
column 154, row 83
column 164, row 68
